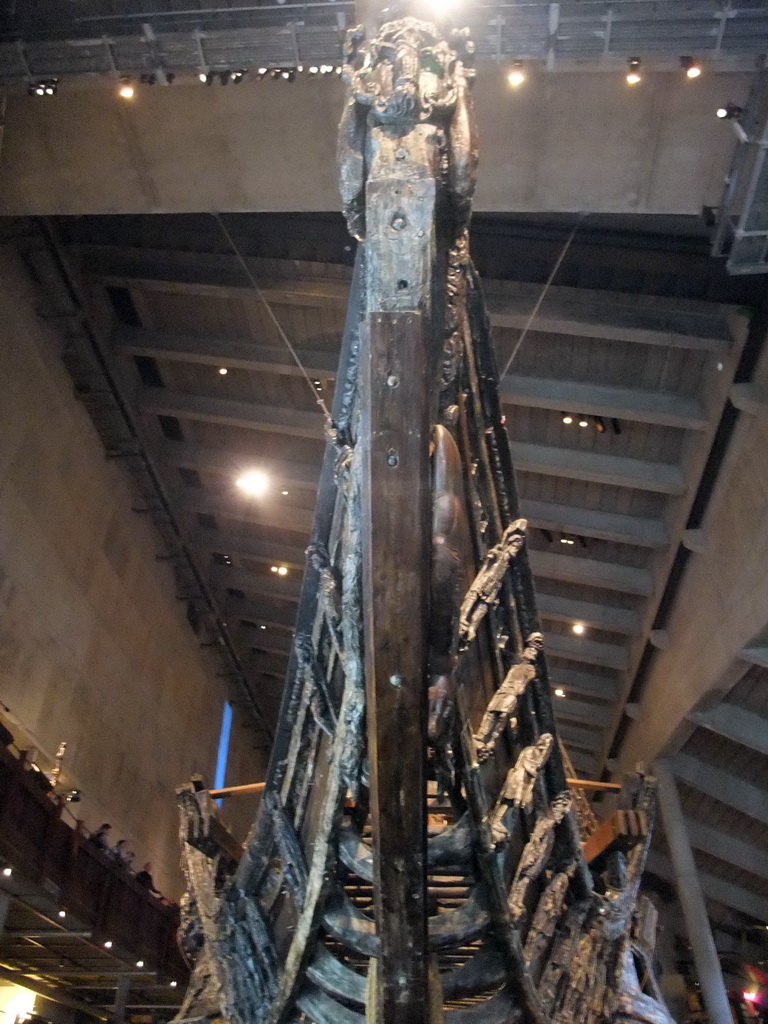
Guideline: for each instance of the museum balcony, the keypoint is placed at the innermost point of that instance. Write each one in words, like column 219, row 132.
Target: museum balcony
column 75, row 926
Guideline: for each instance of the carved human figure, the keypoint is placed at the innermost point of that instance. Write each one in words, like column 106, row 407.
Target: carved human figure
column 503, row 703
column 517, row 790
column 546, row 917
column 535, row 855
column 484, row 591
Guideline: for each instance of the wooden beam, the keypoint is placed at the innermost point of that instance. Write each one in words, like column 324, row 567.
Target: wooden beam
column 567, row 311
column 245, row 790
column 756, row 655
column 583, row 762
column 736, row 724
column 265, row 586
column 285, row 474
column 596, row 715
column 265, row 639
column 573, row 682
column 593, row 785
column 746, row 901
column 277, row 615
column 576, row 648
column 268, row 664
column 589, row 572
column 586, row 739
column 598, row 616
column 396, row 541
column 246, row 415
column 247, row 510
column 587, row 522
column 721, row 785
column 728, row 847
column 657, row 407
column 615, row 470
column 267, row 552
column 243, row 354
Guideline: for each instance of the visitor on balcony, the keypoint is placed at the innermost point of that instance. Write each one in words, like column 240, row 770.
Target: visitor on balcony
column 100, row 837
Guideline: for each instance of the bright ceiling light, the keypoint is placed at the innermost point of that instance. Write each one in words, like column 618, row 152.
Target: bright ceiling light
column 282, row 571
column 583, row 423
column 203, row 77
column 559, row 692
column 139, row 963
column 693, row 72
column 7, row 872
column 108, row 944
column 173, row 984
column 567, row 420
column 578, row 628
column 634, row 76
column 62, row 913
column 254, row 483
column 223, row 371
column 516, row 76
column 126, row 91
column 284, row 492
column 273, row 568
column 691, row 67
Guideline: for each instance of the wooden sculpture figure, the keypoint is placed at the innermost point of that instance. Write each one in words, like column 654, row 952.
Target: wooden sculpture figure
column 363, row 895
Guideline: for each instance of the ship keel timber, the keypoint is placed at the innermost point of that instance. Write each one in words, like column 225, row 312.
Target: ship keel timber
column 415, row 857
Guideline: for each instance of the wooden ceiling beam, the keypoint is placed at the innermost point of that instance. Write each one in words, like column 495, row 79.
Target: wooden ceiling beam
column 728, row 848
column 581, row 737
column 576, row 648
column 583, row 762
column 268, row 552
column 276, row 615
column 285, row 473
column 590, row 572
column 656, row 407
column 270, row 586
column 735, row 724
column 721, row 785
column 598, row 616
column 265, row 639
column 596, row 715
column 577, row 397
column 715, row 889
column 591, row 314
column 574, row 682
column 259, row 513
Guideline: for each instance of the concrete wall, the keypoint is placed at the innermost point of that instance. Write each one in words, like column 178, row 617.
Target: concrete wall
column 722, row 604
column 94, row 647
column 563, row 142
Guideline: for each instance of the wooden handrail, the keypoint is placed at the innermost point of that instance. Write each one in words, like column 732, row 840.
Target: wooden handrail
column 589, row 784
column 250, row 787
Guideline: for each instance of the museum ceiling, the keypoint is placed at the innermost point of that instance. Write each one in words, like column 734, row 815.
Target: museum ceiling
column 641, row 337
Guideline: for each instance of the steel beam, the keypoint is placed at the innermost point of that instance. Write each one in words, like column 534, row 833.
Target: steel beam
column 728, row 847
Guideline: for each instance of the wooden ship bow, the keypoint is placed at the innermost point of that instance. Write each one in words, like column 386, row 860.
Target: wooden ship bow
column 416, row 857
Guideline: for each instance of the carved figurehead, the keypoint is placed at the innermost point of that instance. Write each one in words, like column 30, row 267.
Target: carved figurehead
column 413, row 76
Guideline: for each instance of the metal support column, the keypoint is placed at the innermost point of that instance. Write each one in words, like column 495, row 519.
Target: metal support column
column 121, row 998
column 692, row 900
column 5, row 904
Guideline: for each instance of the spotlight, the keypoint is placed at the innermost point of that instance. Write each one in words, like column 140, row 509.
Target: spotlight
column 338, row 70
column 730, row 112
column 173, row 984
column 583, row 423
column 262, row 627
column 282, row 571
column 559, row 692
column 108, row 944
column 7, row 872
column 567, row 540
column 290, row 75
column 237, row 77
column 203, row 77
column 578, row 628
column 223, row 371
column 263, row 71
column 690, row 66
column 273, row 568
column 43, row 87
column 313, row 70
column 253, row 483
column 126, row 91
column 284, row 492
column 62, row 913
column 300, row 68
column 139, row 963
column 567, row 420
column 516, row 76
column 73, row 796
column 633, row 75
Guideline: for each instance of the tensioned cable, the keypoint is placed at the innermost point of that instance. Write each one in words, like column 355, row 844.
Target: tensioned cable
column 275, row 321
column 540, row 299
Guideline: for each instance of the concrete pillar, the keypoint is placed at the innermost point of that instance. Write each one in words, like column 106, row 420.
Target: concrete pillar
column 692, row 900
column 121, row 999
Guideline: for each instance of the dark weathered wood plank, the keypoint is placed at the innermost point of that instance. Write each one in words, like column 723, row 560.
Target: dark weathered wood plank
column 396, row 542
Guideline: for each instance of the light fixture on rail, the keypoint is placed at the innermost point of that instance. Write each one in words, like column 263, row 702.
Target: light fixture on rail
column 567, row 419
column 62, row 913
column 139, row 963
column 108, row 944
column 516, row 76
column 254, row 483
column 633, row 75
column 173, row 984
column 583, row 422
column 578, row 628
column 730, row 112
column 43, row 87
column 126, row 90
column 559, row 692
column 691, row 67
column 237, row 77
column 223, row 371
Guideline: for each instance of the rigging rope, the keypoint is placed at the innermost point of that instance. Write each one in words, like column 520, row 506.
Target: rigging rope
column 540, row 299
column 254, row 284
